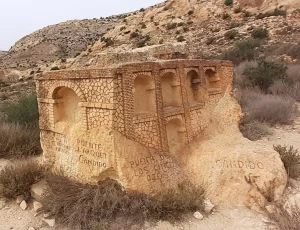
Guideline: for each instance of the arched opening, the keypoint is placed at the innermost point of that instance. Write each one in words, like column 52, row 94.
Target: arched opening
column 176, row 134
column 66, row 105
column 171, row 90
column 193, row 84
column 213, row 78
column 144, row 95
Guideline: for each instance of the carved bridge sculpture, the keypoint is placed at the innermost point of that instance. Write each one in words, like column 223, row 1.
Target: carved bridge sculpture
column 128, row 122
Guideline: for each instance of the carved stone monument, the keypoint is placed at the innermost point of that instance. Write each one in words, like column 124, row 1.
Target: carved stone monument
column 150, row 125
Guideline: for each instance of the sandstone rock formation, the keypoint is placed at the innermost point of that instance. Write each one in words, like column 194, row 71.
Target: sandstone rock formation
column 150, row 125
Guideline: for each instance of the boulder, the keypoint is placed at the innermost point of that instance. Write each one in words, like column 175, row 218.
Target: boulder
column 233, row 170
column 38, row 190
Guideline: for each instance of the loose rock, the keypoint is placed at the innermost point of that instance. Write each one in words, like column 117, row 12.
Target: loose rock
column 23, row 205
column 50, row 222
column 38, row 190
column 37, row 206
column 208, row 206
column 19, row 199
column 198, row 216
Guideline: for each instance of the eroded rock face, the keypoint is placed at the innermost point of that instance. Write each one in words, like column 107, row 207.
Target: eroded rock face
column 230, row 167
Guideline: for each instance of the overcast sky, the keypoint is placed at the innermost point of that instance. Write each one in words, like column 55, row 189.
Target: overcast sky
column 19, row 18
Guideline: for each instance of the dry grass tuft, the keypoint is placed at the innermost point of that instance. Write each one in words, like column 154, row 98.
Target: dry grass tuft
column 284, row 220
column 17, row 179
column 79, row 205
column 290, row 159
column 18, row 141
column 255, row 130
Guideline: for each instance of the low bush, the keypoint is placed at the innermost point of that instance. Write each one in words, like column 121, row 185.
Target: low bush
column 231, row 34
column 255, row 130
column 180, row 39
column 17, row 179
column 290, row 159
column 79, row 205
column 171, row 26
column 293, row 73
column 265, row 73
column 237, row 10
column 24, row 111
column 272, row 109
column 18, row 141
column 240, row 79
column 260, row 33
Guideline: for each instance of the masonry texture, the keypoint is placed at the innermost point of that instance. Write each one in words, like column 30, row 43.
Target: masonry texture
column 127, row 121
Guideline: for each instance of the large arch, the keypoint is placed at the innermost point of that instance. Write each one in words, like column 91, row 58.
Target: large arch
column 176, row 134
column 212, row 77
column 66, row 105
column 144, row 95
column 70, row 85
column 193, row 84
column 171, row 90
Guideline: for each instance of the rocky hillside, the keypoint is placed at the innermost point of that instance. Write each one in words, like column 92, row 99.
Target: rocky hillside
column 186, row 28
column 54, row 42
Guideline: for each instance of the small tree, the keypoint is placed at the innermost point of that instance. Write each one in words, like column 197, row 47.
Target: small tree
column 260, row 33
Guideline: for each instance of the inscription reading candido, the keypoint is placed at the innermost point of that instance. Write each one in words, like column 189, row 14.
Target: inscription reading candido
column 239, row 164
column 153, row 168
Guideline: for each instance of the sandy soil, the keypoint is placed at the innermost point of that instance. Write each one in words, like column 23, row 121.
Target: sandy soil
column 13, row 217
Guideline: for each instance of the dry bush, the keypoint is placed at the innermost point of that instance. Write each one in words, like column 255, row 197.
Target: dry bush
column 284, row 220
column 17, row 141
column 272, row 109
column 280, row 87
column 246, row 96
column 255, row 130
column 78, row 205
column 17, row 179
column 293, row 73
column 290, row 159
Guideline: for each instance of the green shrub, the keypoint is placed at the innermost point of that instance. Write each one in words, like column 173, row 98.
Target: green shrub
column 231, row 34
column 265, row 74
column 75, row 204
column 18, row 141
column 290, row 159
column 17, row 179
column 228, row 2
column 54, row 68
column 24, row 111
column 243, row 51
column 260, row 33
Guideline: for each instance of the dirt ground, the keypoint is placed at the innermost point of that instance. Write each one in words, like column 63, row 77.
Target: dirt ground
column 13, row 217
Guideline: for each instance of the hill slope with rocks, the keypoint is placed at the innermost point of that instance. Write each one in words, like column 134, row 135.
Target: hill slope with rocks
column 186, row 28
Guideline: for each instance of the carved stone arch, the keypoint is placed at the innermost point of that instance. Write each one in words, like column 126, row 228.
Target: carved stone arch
column 170, row 86
column 70, row 85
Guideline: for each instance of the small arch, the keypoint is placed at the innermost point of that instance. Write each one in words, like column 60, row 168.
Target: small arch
column 66, row 105
column 193, row 84
column 213, row 78
column 144, row 95
column 70, row 85
column 176, row 134
column 171, row 90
